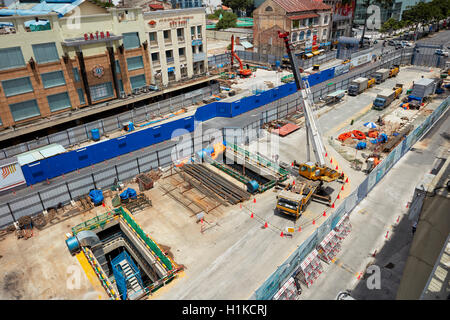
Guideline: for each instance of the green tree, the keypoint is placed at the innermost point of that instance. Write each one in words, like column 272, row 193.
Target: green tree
column 238, row 4
column 216, row 14
column 228, row 20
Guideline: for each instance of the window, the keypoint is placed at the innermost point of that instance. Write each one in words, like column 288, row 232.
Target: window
column 295, row 24
column 53, row 79
column 166, row 34
column 200, row 48
column 118, row 67
column 11, row 58
column 199, row 30
column 308, row 34
column 59, row 101
column 181, row 52
column 81, row 96
column 17, row 86
column 193, row 31
column 325, row 19
column 101, row 91
column 131, row 40
column 180, row 33
column 169, row 56
column 45, row 52
column 303, row 22
column 135, row 63
column 24, row 110
column 121, row 89
column 137, row 81
column 324, row 34
column 153, row 37
column 155, row 56
column 76, row 74
column 294, row 36
column 316, row 20
column 269, row 8
column 302, row 35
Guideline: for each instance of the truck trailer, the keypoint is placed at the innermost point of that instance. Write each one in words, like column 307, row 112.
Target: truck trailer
column 383, row 99
column 381, row 75
column 357, row 86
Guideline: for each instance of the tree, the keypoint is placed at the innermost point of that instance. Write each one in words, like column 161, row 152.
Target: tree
column 216, row 14
column 228, row 20
column 237, row 5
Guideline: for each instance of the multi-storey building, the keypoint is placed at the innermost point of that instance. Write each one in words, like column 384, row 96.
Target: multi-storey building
column 51, row 64
column 308, row 22
column 342, row 22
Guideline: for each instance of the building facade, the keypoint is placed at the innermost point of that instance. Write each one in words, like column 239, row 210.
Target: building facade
column 308, row 22
column 394, row 11
column 342, row 21
column 77, row 61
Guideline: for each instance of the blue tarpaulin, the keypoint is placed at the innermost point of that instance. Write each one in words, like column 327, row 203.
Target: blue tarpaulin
column 96, row 196
column 128, row 193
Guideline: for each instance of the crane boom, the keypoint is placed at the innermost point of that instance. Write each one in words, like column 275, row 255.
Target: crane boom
column 312, row 131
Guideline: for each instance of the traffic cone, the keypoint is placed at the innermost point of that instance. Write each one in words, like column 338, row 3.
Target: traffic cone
column 292, row 164
column 299, row 229
column 331, row 160
column 342, row 188
column 337, row 168
column 201, row 221
column 103, row 204
column 346, row 180
column 338, row 197
column 398, row 218
column 387, row 233
column 332, row 206
column 326, row 154
column 293, row 183
column 266, row 225
column 254, row 200
column 314, row 221
column 281, row 234
column 31, row 186
column 251, row 215
column 48, row 182
column 324, row 213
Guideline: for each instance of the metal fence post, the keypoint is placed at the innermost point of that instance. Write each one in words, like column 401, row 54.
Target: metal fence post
column 68, row 191
column 93, row 180
column 40, row 199
column 138, row 166
column 10, row 211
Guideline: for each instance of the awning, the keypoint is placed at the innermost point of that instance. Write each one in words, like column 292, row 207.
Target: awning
column 309, row 55
column 316, row 53
column 303, row 16
column 246, row 44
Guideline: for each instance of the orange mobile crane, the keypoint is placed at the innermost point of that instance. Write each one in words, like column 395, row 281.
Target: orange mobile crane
column 242, row 72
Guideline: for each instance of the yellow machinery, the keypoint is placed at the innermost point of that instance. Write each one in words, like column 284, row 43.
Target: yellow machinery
column 394, row 71
column 313, row 172
column 398, row 90
column 371, row 82
column 292, row 203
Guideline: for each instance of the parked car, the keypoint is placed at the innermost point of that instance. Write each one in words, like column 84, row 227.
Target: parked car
column 391, row 43
column 441, row 52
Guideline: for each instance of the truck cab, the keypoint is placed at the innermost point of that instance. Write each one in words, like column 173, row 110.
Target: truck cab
column 379, row 103
column 371, row 82
column 393, row 72
column 291, row 203
column 353, row 89
column 378, row 78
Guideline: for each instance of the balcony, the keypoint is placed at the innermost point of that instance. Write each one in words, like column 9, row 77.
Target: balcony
column 153, row 44
column 180, row 39
column 199, row 56
column 170, row 60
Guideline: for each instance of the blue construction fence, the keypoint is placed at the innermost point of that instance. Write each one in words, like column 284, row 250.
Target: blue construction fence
column 64, row 163
column 291, row 265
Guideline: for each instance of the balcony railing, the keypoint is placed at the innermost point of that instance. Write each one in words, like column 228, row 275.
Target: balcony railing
column 199, row 56
column 180, row 39
column 170, row 60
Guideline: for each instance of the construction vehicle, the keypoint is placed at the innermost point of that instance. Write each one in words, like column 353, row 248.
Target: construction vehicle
column 383, row 99
column 381, row 75
column 313, row 137
column 394, row 71
column 371, row 83
column 357, row 86
column 242, row 72
column 313, row 172
column 398, row 89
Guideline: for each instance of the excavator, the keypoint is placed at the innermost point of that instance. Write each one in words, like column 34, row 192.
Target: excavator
column 242, row 72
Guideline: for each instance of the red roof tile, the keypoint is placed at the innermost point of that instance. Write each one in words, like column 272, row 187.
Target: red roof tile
column 303, row 16
column 302, row 5
column 156, row 6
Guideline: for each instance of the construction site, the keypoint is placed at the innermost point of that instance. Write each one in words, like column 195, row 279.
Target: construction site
column 249, row 215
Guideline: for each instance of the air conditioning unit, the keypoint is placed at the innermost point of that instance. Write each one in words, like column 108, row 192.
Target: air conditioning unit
column 144, row 89
column 123, row 95
column 136, row 91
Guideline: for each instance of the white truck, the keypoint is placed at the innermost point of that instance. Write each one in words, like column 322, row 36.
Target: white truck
column 381, row 75
column 383, row 99
column 357, row 86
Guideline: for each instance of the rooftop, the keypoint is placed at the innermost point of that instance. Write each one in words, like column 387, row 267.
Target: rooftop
column 302, row 5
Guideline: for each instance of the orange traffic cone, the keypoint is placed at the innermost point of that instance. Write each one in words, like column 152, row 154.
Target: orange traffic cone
column 324, row 213
column 332, row 206
column 254, row 200
column 251, row 215
column 331, row 160
column 338, row 197
column 266, row 225
column 281, row 234
column 314, row 221
column 337, row 168
column 299, row 229
column 293, row 183
column 346, row 180
column 326, row 154
column 342, row 188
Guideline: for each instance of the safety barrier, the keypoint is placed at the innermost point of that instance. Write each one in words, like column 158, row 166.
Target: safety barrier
column 269, row 288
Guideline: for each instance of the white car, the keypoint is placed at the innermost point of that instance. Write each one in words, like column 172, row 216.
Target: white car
column 440, row 52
